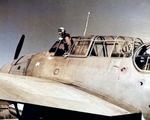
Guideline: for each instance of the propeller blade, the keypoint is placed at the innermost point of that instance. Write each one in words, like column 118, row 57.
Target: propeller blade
column 18, row 49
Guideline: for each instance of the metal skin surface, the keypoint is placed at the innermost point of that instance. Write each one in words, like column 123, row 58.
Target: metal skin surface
column 115, row 79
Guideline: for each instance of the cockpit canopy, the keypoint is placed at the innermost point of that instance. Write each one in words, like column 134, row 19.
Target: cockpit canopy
column 141, row 58
column 100, row 46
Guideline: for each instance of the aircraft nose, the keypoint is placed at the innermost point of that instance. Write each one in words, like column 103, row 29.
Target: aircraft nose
column 6, row 68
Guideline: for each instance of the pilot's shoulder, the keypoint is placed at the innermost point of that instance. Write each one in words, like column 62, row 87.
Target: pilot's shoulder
column 67, row 35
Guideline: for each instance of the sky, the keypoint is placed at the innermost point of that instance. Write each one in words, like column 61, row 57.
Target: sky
column 39, row 20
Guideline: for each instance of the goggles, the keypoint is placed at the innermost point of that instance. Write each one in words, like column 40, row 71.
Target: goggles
column 61, row 30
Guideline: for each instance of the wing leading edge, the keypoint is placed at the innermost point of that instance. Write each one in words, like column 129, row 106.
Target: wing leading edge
column 49, row 93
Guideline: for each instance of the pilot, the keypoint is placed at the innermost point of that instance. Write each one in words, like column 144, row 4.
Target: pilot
column 66, row 39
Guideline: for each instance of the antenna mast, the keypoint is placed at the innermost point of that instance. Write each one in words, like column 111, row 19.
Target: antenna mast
column 86, row 24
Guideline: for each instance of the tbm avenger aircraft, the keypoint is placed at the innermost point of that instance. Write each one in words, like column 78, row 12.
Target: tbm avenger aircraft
column 101, row 75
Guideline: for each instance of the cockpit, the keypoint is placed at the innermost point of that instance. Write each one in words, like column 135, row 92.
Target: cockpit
column 141, row 58
column 99, row 46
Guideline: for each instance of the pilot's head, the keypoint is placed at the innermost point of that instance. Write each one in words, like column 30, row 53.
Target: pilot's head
column 61, row 30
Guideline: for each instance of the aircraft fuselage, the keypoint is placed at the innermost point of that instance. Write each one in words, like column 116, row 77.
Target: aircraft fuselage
column 116, row 79
column 102, row 67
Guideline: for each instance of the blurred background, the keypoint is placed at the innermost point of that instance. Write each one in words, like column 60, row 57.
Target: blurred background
column 40, row 19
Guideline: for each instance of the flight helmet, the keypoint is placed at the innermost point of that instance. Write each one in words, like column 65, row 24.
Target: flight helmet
column 61, row 30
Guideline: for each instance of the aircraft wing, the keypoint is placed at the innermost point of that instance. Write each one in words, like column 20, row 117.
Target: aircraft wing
column 49, row 93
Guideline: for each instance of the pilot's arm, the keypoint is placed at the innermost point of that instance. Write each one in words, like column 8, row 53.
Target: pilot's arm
column 68, row 41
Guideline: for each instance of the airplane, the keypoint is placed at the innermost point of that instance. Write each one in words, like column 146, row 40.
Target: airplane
column 101, row 75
